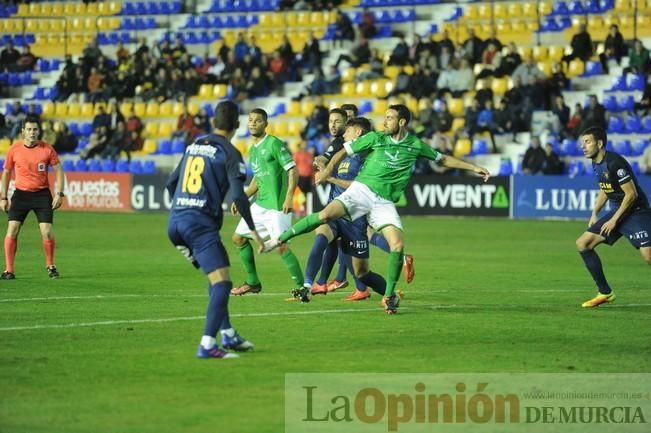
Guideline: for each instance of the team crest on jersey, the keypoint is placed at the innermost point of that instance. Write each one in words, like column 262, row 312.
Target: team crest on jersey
column 606, row 175
column 621, row 172
column 41, row 166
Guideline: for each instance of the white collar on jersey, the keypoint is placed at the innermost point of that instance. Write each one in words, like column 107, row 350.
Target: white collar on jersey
column 261, row 140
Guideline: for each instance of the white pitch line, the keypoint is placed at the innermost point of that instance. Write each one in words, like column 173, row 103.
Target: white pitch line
column 288, row 313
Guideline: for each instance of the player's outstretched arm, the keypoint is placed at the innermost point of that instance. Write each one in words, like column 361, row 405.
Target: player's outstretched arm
column 323, row 175
column 452, row 162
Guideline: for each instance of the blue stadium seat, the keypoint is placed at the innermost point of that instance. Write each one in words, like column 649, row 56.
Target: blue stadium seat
column 175, row 7
column 86, row 129
column 610, row 146
column 592, row 68
column 365, row 107
column 165, row 147
column 385, row 32
column 80, row 165
column 151, row 23
column 626, row 103
column 178, row 146
column 479, row 147
column 128, row 8
column 122, row 166
column 242, row 21
column 635, row 166
column 39, row 94
column 576, row 168
column 152, row 8
column 128, row 24
column 192, row 22
column 560, row 8
column 82, row 143
column 102, row 39
column 646, row 125
column 43, row 65
column 149, row 167
column 210, row 111
column 592, row 6
column 615, row 125
column 576, row 7
column 569, row 147
column 165, row 8
column 108, row 166
column 95, row 165
column 637, row 82
column 506, row 167
column 623, row 147
column 633, row 125
column 191, row 38
column 638, row 146
column 619, row 83
column 68, row 165
column 549, row 25
column 74, row 128
column 229, row 22
column 610, row 103
column 135, row 167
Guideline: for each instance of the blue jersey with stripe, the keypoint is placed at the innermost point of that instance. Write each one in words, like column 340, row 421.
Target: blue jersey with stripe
column 209, row 167
column 348, row 169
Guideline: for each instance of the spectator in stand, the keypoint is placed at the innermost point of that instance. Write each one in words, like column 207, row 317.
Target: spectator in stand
column 359, row 55
column 561, row 115
column 95, row 86
column 419, row 83
column 163, row 87
column 90, row 56
column 644, row 106
column 178, row 49
column 9, row 58
column 332, row 79
column 191, row 82
column 26, row 61
column 470, row 121
column 519, row 107
column 376, row 67
column 446, row 58
column 534, row 93
column 442, row 119
column 638, row 59
column 143, row 48
column 241, row 48
column 279, row 68
column 581, row 46
column 402, row 85
column 423, row 124
column 534, row 157
column 527, row 69
column 258, row 85
column 48, row 134
column 473, row 47
column 574, row 125
column 317, row 122
column 215, row 71
column 463, row 79
column 164, row 51
column 287, row 51
column 552, row 163
column 645, row 160
column 311, row 55
column 185, row 126
column 65, row 141
column 484, row 92
column 121, row 53
column 593, row 115
column 614, row 48
column 558, row 82
column 114, row 116
column 445, row 42
column 492, row 39
column 491, row 60
column 101, row 118
column 116, row 143
column 15, row 119
column 344, row 30
column 417, row 49
column 444, row 81
column 509, row 62
column 96, row 143
column 502, row 117
column 485, row 122
column 400, row 54
column 367, row 25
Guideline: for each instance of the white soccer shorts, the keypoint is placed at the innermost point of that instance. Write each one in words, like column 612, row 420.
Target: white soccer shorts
column 359, row 200
column 268, row 222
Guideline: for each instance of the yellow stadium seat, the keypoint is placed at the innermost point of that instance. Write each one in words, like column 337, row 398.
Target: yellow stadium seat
column 388, row 86
column 499, row 86
column 462, row 147
column 57, row 9
column 555, row 52
column 80, row 8
column 115, row 7
column 455, row 107
column 87, row 110
column 265, row 19
column 378, row 89
column 177, row 109
column 75, row 24
column 193, row 108
column 149, row 146
column 280, row 129
column 379, row 125
column 307, row 107
column 23, row 10
column 484, row 11
column 104, row 24
column 348, row 89
column 577, row 67
column 500, row 11
column 595, row 22
column 457, row 124
column 546, row 67
column 5, row 144
column 151, row 129
column 166, row 129
column 412, row 104
column 139, row 108
column 348, row 75
column 544, row 7
column 90, row 24
column 74, row 109
column 278, row 20
column 103, row 8
column 294, row 129
column 471, row 12
column 45, row 9
column 31, row 25
column 317, row 19
column 363, row 89
column 540, row 53
column 504, row 28
column 125, row 108
column 291, row 20
column 69, row 9
column 219, row 90
column 380, row 106
column 91, row 9
column 43, row 26
column 528, row 10
column 525, row 52
column 515, row 10
column 205, row 91
column 622, row 5
column 61, row 109
column 391, row 72
column 294, row 109
column 48, row 109
column 303, row 19
column 152, row 109
column 34, row 9
column 57, row 25
column 165, row 109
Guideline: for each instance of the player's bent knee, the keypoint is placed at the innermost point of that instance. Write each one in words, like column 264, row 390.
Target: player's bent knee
column 238, row 240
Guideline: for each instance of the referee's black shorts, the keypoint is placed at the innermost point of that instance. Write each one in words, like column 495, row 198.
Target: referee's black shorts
column 24, row 201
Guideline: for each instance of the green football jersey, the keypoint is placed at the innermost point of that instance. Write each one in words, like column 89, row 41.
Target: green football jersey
column 389, row 164
column 270, row 159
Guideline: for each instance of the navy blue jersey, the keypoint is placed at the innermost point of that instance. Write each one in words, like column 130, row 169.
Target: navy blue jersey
column 614, row 171
column 336, row 145
column 199, row 184
column 348, row 169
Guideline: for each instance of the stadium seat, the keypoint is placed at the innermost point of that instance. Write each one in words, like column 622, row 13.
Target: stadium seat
column 615, row 125
column 638, row 146
column 455, row 106
column 626, row 103
column 619, row 83
column 164, row 147
column 122, row 166
column 646, row 125
column 80, row 165
column 135, row 167
column 479, row 147
column 610, row 103
column 636, row 82
column 592, row 68
column 68, row 165
column 108, row 166
column 95, row 165
column 178, row 146
column 569, row 147
column 633, row 125
column 623, row 147
column 149, row 167
column 576, row 168
column 462, row 147
column 506, row 167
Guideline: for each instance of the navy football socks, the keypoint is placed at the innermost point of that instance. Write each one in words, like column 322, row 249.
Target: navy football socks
column 593, row 263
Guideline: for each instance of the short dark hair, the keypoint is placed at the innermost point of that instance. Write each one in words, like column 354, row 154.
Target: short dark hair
column 598, row 133
column 350, row 107
column 226, row 116
column 361, row 122
column 30, row 118
column 339, row 111
column 261, row 112
column 402, row 110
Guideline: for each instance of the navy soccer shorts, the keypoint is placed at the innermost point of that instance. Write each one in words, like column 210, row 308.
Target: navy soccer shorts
column 636, row 226
column 199, row 242
column 354, row 240
column 22, row 202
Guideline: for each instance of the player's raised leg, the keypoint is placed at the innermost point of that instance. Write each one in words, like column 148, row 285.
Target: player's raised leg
column 586, row 243
column 331, row 212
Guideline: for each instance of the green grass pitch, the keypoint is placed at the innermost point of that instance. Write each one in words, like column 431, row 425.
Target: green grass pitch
column 110, row 346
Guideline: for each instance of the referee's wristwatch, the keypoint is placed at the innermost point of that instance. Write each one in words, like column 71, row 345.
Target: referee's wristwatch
column 61, row 194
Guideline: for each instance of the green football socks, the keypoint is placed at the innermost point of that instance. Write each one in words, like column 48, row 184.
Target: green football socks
column 246, row 255
column 393, row 273
column 293, row 267
column 304, row 225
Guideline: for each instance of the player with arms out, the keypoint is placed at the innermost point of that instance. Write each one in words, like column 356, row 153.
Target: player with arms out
column 31, row 157
column 274, row 180
column 629, row 215
column 381, row 181
column 198, row 186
